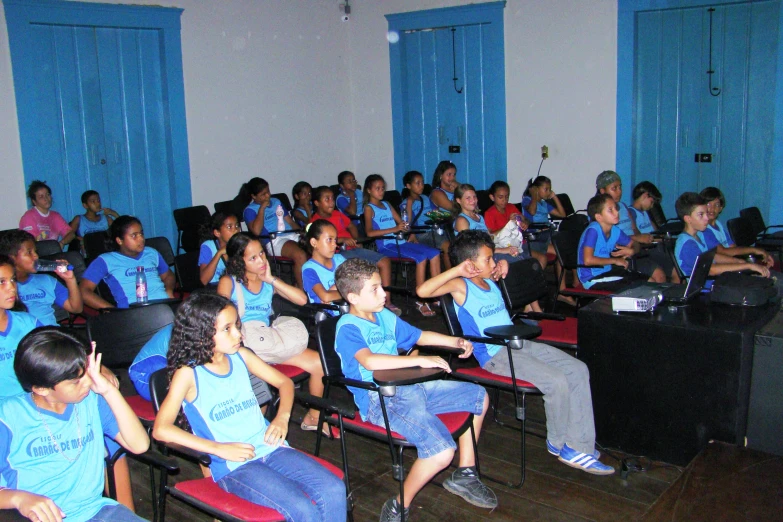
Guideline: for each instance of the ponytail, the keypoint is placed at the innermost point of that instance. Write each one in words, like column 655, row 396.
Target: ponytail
column 249, row 189
column 314, row 230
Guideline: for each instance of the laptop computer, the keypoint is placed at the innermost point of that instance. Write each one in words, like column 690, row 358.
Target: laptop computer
column 701, row 270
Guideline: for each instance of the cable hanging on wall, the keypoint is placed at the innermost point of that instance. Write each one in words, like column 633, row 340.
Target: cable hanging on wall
column 454, row 60
column 714, row 91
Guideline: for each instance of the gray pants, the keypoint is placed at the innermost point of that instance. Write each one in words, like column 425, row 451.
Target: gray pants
column 565, row 383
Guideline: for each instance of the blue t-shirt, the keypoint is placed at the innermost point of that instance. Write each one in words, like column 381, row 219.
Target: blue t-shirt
column 151, row 358
column 86, row 226
column 472, row 223
column 119, row 272
column 602, row 246
column 384, row 336
column 258, row 307
column 449, row 195
column 687, row 249
column 625, row 224
column 19, row 325
column 384, row 218
column 717, row 235
column 417, row 205
column 38, row 293
column 643, row 222
column 206, row 254
column 30, row 462
column 543, row 208
column 270, row 216
column 481, row 310
column 314, row 273
column 342, row 201
column 226, row 410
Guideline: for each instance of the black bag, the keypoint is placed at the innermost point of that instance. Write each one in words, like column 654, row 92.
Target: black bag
column 742, row 289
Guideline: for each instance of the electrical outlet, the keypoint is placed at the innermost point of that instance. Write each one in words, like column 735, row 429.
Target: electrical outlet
column 544, row 152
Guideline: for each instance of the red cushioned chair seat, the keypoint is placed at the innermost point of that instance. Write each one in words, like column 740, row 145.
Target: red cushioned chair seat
column 141, row 407
column 292, row 372
column 550, row 258
column 402, row 260
column 489, row 377
column 558, row 332
column 207, row 492
column 452, row 421
column 585, row 292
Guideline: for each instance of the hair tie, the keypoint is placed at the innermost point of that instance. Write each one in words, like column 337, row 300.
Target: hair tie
column 307, row 227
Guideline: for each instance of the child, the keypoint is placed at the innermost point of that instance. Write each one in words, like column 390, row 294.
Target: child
column 367, row 339
column 381, row 219
column 212, row 255
column 208, row 368
column 249, row 283
column 349, row 201
column 318, row 272
column 469, row 219
column 347, row 234
column 39, row 291
column 444, row 181
column 692, row 209
column 645, row 196
column 96, row 219
column 716, row 235
column 603, row 249
column 261, row 216
column 303, row 206
column 119, row 268
column 537, row 209
column 41, row 221
column 608, row 182
column 51, row 451
column 416, row 206
column 564, row 380
column 15, row 323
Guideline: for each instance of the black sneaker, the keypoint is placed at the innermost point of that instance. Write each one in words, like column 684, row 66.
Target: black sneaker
column 390, row 512
column 465, row 483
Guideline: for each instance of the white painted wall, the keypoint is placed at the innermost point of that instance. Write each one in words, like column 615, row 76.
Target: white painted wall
column 285, row 90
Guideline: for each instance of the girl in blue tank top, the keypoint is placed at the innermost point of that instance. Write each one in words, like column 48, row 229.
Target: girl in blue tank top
column 470, row 219
column 444, row 181
column 318, row 272
column 209, row 381
column 249, row 283
column 212, row 255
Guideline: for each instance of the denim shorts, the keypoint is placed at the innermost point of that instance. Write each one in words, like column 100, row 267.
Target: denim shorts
column 363, row 253
column 412, row 412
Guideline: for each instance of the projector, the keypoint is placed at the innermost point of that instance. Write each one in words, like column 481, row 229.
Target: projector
column 639, row 299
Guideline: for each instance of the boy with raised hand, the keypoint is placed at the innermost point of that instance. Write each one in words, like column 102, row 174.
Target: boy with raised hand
column 367, row 339
column 51, row 438
column 564, row 380
column 692, row 209
column 604, row 249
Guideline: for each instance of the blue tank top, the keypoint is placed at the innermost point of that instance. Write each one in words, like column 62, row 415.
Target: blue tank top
column 543, row 208
column 449, row 195
column 19, row 325
column 314, row 273
column 643, row 222
column 383, row 218
column 206, row 254
column 86, row 226
column 226, row 410
column 270, row 216
column 472, row 223
column 718, row 235
column 258, row 307
column 38, row 293
column 482, row 309
column 417, row 204
column 625, row 223
column 119, row 271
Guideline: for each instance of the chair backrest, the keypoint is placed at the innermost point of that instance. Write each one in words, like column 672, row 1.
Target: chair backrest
column 47, row 247
column 325, row 333
column 190, row 221
column 565, row 200
column 741, row 231
column 566, row 243
column 523, row 284
column 574, row 223
column 162, row 245
column 669, row 244
column 95, row 244
column 231, row 207
column 394, row 198
column 450, row 315
column 284, row 200
column 427, row 189
column 187, row 271
column 756, row 220
column 483, row 200
column 159, row 387
column 74, row 259
column 121, row 333
column 656, row 215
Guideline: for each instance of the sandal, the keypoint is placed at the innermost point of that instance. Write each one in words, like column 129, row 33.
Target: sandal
column 312, row 427
column 424, row 309
column 394, row 309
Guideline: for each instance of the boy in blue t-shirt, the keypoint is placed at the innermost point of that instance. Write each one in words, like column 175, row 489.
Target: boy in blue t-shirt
column 645, row 196
column 51, row 450
column 564, row 380
column 39, row 291
column 604, row 249
column 367, row 339
column 692, row 209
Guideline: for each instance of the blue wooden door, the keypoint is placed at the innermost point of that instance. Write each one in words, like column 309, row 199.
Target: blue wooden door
column 437, row 117
column 679, row 113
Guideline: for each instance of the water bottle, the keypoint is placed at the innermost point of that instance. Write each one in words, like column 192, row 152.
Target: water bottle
column 279, row 212
column 44, row 265
column 141, row 285
column 524, row 248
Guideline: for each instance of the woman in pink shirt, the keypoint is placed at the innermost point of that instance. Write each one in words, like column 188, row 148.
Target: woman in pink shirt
column 41, row 221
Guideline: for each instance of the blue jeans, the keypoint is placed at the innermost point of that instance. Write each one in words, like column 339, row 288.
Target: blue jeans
column 412, row 412
column 292, row 483
column 115, row 513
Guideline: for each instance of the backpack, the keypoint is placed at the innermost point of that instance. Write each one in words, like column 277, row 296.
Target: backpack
column 742, row 289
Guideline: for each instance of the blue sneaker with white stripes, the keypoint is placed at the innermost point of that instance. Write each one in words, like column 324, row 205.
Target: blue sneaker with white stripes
column 583, row 461
column 554, row 450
